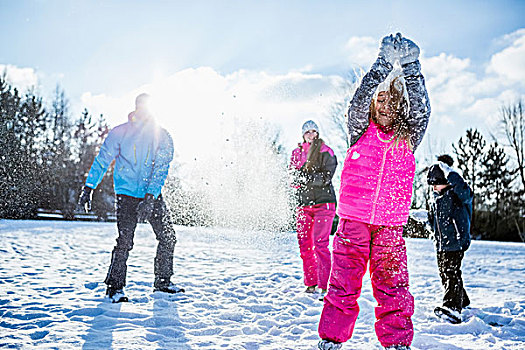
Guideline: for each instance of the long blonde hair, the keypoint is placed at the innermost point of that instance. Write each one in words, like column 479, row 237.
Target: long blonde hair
column 399, row 106
column 313, row 160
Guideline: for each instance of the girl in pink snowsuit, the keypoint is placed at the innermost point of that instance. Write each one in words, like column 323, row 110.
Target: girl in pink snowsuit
column 313, row 165
column 375, row 197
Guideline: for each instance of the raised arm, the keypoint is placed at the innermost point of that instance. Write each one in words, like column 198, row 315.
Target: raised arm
column 419, row 111
column 461, row 188
column 358, row 113
column 459, row 185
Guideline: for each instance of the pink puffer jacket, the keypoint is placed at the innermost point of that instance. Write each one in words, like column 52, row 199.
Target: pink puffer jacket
column 377, row 178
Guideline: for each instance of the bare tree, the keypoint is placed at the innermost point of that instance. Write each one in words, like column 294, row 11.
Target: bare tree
column 338, row 111
column 513, row 122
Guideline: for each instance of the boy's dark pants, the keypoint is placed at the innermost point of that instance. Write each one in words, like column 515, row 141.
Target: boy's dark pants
column 127, row 222
column 449, row 264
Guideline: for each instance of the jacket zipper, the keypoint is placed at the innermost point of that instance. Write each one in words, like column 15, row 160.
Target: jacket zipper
column 439, row 231
column 147, row 156
column 440, row 237
column 457, row 231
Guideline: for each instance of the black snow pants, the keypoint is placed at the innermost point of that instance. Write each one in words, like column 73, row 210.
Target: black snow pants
column 449, row 264
column 127, row 222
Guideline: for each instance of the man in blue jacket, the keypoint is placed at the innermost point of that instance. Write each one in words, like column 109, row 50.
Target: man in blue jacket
column 142, row 151
column 450, row 216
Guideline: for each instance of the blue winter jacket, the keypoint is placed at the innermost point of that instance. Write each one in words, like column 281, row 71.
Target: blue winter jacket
column 142, row 151
column 450, row 215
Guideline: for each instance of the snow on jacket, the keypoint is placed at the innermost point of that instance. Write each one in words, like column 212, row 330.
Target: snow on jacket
column 450, row 215
column 377, row 177
column 142, row 151
column 314, row 187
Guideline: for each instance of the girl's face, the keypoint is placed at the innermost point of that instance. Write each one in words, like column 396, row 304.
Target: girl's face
column 310, row 135
column 384, row 115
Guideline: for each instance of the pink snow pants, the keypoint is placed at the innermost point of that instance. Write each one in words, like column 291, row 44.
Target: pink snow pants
column 314, row 223
column 355, row 244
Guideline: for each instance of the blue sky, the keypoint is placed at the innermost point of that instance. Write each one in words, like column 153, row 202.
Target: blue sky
column 283, row 60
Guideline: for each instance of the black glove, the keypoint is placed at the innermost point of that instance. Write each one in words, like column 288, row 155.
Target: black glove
column 84, row 200
column 145, row 208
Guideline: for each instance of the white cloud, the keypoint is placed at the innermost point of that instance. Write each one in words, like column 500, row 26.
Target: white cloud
column 448, row 81
column 200, row 106
column 510, row 62
column 22, row 78
column 362, row 50
column 462, row 99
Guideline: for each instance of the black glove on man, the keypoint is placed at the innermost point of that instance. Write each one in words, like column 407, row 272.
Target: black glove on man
column 145, row 208
column 85, row 198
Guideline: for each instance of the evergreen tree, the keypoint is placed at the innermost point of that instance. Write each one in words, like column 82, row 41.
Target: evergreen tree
column 104, row 196
column 21, row 120
column 10, row 146
column 468, row 153
column 32, row 118
column 44, row 158
column 59, row 156
column 88, row 137
column 495, row 187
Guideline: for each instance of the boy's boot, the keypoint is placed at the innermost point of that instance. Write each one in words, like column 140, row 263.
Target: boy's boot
column 448, row 314
column 116, row 295
column 166, row 286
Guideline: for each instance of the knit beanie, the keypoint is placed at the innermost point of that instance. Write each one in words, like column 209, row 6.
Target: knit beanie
column 436, row 176
column 310, row 125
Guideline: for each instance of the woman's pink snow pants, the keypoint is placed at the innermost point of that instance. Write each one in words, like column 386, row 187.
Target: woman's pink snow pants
column 354, row 245
column 314, row 224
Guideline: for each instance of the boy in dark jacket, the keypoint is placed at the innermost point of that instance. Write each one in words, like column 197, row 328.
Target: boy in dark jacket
column 450, row 216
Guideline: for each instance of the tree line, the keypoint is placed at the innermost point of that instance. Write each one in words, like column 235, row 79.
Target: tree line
column 495, row 172
column 45, row 154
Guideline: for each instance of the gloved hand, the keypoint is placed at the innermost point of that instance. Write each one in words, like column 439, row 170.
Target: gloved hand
column 145, row 208
column 387, row 49
column 446, row 169
column 84, row 200
column 406, row 49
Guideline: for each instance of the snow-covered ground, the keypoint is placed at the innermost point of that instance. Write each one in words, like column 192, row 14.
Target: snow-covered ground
column 243, row 291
